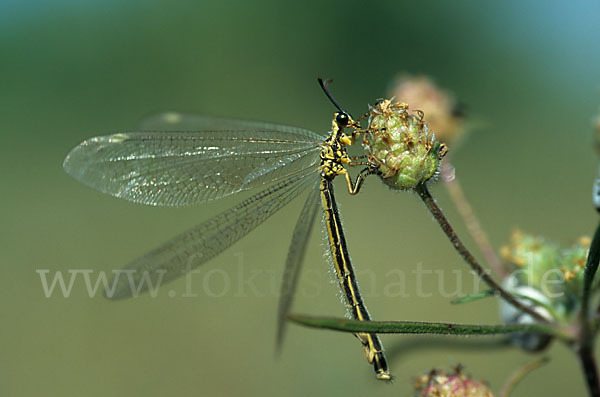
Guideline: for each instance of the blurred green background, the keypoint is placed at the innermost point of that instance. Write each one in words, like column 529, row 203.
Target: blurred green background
column 528, row 72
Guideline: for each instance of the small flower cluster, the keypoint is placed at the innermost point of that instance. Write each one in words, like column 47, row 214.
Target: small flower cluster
column 539, row 263
column 439, row 384
column 400, row 144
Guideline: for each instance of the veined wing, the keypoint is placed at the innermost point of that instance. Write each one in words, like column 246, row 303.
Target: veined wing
column 183, row 168
column 201, row 243
column 294, row 260
column 173, row 121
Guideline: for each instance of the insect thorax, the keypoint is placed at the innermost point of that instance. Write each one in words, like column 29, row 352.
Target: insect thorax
column 333, row 157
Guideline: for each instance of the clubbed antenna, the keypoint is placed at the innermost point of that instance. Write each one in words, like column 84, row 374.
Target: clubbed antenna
column 324, row 86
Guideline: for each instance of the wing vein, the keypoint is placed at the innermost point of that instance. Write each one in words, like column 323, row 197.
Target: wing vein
column 201, row 243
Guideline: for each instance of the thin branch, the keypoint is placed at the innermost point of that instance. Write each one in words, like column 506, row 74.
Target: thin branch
column 520, row 374
column 418, row 327
column 468, row 257
column 457, row 195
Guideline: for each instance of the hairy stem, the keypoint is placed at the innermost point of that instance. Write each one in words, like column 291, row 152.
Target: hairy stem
column 457, row 195
column 468, row 257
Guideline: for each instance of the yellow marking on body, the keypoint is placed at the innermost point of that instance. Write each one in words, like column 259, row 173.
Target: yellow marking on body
column 333, row 158
column 345, row 139
column 343, row 273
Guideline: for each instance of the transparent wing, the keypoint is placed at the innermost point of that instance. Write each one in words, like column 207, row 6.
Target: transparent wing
column 294, row 260
column 183, row 168
column 173, row 121
column 201, row 243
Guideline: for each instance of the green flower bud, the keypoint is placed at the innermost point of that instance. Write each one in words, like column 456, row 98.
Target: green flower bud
column 439, row 384
column 533, row 255
column 401, row 145
column 546, row 275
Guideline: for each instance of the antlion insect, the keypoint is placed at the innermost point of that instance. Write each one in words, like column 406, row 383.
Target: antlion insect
column 210, row 158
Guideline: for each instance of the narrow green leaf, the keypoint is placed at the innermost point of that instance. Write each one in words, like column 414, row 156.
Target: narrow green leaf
column 418, row 327
column 473, row 297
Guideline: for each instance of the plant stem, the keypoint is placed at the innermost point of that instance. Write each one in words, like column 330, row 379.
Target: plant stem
column 457, row 195
column 420, row 327
column 468, row 257
column 591, row 266
column 588, row 328
column 590, row 369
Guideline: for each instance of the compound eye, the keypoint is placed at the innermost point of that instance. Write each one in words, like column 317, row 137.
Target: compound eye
column 342, row 119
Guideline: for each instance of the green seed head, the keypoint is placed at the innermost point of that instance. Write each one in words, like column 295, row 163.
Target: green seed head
column 531, row 253
column 401, row 145
column 554, row 273
column 439, row 384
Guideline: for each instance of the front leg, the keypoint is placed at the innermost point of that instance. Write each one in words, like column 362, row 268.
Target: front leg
column 354, row 161
column 354, row 188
